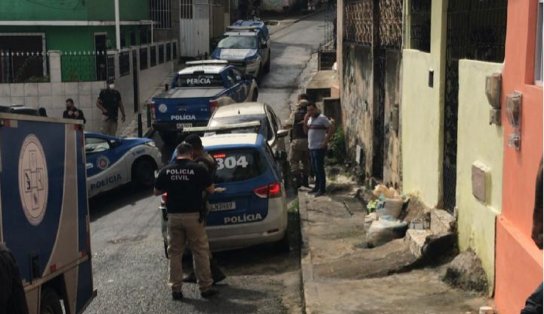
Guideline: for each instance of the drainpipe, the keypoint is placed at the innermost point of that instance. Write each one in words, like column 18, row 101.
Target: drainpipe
column 117, row 26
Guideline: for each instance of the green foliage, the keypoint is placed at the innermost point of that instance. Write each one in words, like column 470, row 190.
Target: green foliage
column 338, row 146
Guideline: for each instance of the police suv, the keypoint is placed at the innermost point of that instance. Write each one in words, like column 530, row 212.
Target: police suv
column 246, row 45
column 196, row 92
column 252, row 209
column 114, row 161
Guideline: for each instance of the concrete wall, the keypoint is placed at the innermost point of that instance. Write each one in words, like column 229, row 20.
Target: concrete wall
column 519, row 261
column 52, row 96
column 478, row 142
column 423, row 113
column 357, row 100
column 392, row 169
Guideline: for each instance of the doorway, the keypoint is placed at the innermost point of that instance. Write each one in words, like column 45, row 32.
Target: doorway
column 101, row 56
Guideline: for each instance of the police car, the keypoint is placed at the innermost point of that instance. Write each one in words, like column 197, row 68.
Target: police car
column 252, row 209
column 197, row 91
column 246, row 44
column 113, row 161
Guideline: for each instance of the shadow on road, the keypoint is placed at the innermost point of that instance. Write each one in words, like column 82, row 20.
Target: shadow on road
column 110, row 201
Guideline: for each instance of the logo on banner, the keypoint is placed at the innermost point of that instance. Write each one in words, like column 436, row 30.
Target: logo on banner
column 102, row 162
column 33, row 179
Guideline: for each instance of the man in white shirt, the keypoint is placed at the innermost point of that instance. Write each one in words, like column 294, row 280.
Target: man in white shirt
column 320, row 130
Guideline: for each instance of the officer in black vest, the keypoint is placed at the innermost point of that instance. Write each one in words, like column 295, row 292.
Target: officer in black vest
column 185, row 181
column 298, row 153
column 204, row 159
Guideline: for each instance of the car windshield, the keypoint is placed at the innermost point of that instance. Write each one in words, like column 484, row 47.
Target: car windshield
column 238, row 42
column 238, row 165
column 199, row 80
column 240, row 119
column 95, row 145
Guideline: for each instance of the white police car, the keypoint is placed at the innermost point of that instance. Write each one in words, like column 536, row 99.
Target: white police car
column 252, row 209
column 114, row 161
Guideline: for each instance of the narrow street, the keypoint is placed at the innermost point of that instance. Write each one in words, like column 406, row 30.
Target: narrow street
column 130, row 269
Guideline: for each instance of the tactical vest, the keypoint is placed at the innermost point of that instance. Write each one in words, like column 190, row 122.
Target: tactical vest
column 298, row 128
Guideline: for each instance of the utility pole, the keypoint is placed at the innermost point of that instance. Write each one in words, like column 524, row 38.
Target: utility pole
column 117, row 26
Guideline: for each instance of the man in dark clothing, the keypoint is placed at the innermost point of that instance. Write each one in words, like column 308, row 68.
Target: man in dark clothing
column 533, row 305
column 109, row 102
column 298, row 152
column 204, row 159
column 72, row 112
column 12, row 294
column 184, row 181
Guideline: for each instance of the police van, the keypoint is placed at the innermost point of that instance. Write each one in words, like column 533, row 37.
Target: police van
column 252, row 209
column 44, row 216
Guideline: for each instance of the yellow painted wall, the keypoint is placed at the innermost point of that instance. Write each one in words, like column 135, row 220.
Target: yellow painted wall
column 480, row 142
column 423, row 111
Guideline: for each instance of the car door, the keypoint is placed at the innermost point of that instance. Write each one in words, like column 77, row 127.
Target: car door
column 105, row 169
column 273, row 126
column 239, row 89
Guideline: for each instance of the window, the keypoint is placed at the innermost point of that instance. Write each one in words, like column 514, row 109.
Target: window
column 160, row 13
column 95, row 145
column 161, row 53
column 186, row 9
column 153, row 50
column 238, row 165
column 420, row 25
column 539, row 42
column 143, row 58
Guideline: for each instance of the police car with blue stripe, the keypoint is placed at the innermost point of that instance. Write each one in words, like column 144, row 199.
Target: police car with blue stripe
column 252, row 209
column 114, row 161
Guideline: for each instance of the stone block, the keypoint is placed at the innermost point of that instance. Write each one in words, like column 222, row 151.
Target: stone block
column 31, row 89
column 5, row 90
column 17, row 90
column 17, row 100
column 416, row 240
column 44, row 89
column 466, row 272
column 32, row 101
column 442, row 222
column 84, row 88
column 46, row 102
column 57, row 89
column 480, row 174
column 71, row 88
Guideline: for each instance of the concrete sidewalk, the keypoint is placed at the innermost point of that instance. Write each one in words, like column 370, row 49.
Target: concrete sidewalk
column 341, row 276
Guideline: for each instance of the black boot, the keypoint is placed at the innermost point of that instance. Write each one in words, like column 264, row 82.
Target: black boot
column 217, row 274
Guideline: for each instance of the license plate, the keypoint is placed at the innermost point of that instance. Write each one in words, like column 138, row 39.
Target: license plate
column 217, row 207
column 180, row 126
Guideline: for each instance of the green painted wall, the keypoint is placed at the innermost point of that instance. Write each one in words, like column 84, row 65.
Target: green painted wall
column 481, row 143
column 72, row 10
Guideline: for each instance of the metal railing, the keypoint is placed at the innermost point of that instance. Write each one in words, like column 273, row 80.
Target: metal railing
column 23, row 66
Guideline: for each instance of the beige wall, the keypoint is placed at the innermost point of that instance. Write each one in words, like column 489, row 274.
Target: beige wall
column 480, row 143
column 422, row 113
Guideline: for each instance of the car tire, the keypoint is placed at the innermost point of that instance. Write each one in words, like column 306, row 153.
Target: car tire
column 50, row 302
column 143, row 172
column 255, row 95
column 283, row 244
column 267, row 65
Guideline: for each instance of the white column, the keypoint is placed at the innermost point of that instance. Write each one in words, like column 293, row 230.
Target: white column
column 117, row 26
column 55, row 70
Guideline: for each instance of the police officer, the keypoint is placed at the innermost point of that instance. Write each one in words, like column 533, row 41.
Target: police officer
column 110, row 103
column 298, row 153
column 184, row 181
column 204, row 159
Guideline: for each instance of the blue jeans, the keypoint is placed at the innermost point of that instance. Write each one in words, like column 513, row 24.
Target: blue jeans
column 317, row 158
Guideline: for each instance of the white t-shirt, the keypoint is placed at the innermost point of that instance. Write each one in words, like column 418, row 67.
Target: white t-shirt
column 317, row 131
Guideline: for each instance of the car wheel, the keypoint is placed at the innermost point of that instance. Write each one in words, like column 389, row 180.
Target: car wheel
column 255, row 95
column 283, row 244
column 143, row 172
column 267, row 65
column 50, row 302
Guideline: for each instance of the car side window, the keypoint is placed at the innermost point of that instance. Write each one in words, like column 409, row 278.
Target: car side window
column 96, row 145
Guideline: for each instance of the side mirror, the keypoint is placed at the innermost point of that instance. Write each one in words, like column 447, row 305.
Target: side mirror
column 282, row 133
column 264, row 45
column 166, row 87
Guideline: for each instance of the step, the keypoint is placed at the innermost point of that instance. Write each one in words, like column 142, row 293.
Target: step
column 442, row 222
column 416, row 240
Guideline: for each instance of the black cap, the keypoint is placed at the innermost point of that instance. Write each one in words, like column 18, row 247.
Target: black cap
column 194, row 140
column 184, row 148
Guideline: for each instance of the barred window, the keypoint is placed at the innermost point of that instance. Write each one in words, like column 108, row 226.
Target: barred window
column 420, row 28
column 160, row 13
column 186, row 9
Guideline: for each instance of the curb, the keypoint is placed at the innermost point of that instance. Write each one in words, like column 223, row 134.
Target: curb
column 305, row 254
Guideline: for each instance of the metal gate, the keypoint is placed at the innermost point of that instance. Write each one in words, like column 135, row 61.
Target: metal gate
column 475, row 30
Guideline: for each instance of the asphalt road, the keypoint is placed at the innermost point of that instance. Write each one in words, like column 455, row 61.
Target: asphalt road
column 130, row 270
